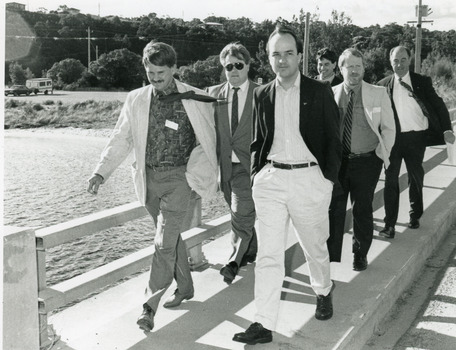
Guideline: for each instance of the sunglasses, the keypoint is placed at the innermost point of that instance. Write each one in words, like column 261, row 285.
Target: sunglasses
column 238, row 65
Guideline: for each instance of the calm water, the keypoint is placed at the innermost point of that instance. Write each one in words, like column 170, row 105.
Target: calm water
column 45, row 184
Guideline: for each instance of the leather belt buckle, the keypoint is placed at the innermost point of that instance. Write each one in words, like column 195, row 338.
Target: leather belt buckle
column 291, row 166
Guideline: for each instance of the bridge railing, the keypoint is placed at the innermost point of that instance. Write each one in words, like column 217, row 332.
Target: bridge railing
column 61, row 294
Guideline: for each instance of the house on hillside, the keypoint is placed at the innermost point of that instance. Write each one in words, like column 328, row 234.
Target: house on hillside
column 15, row 6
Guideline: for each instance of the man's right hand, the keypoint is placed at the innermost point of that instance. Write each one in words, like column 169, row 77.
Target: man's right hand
column 94, row 182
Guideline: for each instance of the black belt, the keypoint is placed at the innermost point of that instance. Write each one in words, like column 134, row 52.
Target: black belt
column 291, row 166
column 359, row 155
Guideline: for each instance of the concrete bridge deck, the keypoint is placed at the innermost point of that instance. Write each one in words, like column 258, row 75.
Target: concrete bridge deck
column 107, row 321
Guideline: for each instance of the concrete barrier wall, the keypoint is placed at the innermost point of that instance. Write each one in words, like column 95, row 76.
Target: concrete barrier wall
column 20, row 290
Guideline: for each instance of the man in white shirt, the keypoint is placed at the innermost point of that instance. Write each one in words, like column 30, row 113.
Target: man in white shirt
column 233, row 124
column 296, row 154
column 422, row 120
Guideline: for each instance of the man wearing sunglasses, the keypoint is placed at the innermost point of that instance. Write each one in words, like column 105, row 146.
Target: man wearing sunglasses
column 233, row 122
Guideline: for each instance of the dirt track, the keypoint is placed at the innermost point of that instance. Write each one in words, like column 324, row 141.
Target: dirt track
column 72, row 96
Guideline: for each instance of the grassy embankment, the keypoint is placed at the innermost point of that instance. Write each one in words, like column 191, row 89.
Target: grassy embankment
column 92, row 114
column 89, row 114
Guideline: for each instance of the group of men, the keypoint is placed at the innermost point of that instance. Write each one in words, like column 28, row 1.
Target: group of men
column 290, row 151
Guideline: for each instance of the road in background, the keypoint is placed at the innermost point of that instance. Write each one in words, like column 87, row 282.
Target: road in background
column 72, row 96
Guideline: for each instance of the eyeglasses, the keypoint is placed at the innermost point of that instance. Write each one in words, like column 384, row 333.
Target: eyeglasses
column 238, row 65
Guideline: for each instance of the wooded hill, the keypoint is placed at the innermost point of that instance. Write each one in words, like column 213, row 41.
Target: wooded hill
column 38, row 40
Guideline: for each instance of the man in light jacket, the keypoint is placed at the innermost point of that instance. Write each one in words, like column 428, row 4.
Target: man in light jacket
column 172, row 137
column 367, row 132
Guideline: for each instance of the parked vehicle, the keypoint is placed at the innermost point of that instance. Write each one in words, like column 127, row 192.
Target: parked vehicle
column 17, row 90
column 43, row 85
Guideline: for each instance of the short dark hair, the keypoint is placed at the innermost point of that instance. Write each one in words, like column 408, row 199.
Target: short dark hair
column 159, row 54
column 235, row 49
column 283, row 29
column 328, row 54
column 400, row 47
column 350, row 51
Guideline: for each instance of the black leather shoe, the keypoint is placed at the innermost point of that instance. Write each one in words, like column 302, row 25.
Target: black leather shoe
column 248, row 259
column 414, row 223
column 146, row 320
column 324, row 309
column 229, row 272
column 176, row 299
column 359, row 262
column 388, row 232
column 255, row 334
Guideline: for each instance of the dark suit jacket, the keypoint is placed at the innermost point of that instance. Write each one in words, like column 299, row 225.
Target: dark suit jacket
column 240, row 141
column 319, row 125
column 439, row 118
column 335, row 81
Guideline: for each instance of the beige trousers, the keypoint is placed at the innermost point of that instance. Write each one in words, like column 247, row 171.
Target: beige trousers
column 302, row 196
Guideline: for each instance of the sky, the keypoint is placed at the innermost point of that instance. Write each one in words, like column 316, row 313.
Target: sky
column 362, row 12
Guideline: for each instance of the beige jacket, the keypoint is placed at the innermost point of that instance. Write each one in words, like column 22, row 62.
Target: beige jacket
column 130, row 133
column 379, row 115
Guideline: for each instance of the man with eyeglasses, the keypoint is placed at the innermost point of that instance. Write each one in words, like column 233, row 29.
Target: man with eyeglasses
column 422, row 120
column 233, row 123
column 295, row 161
column 326, row 66
column 367, row 131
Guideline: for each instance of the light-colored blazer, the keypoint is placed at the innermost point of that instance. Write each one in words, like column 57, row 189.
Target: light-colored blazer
column 130, row 133
column 240, row 141
column 379, row 115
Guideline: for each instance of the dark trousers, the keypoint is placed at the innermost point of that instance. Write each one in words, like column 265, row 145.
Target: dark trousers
column 410, row 147
column 238, row 195
column 168, row 201
column 358, row 177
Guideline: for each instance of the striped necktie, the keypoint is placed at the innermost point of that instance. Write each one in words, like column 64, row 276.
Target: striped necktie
column 234, row 111
column 417, row 99
column 346, row 136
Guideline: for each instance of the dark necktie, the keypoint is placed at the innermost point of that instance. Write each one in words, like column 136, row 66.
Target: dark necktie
column 346, row 136
column 417, row 99
column 192, row 95
column 234, row 111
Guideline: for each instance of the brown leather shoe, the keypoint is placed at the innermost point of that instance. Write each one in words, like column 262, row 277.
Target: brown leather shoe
column 146, row 320
column 387, row 232
column 176, row 299
column 255, row 334
column 229, row 272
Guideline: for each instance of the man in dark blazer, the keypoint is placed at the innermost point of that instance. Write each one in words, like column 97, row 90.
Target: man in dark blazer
column 422, row 119
column 296, row 154
column 233, row 152
column 326, row 66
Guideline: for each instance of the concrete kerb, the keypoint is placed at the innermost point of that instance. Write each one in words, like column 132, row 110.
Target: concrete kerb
column 442, row 219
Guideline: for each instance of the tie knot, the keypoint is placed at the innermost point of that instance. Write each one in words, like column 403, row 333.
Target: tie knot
column 236, row 89
column 350, row 93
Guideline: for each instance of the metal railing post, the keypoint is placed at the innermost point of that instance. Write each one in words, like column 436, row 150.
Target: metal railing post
column 45, row 338
column 196, row 256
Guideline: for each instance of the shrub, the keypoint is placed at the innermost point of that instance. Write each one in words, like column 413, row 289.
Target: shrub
column 37, row 107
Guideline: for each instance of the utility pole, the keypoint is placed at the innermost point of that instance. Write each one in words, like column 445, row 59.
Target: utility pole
column 418, row 41
column 305, row 58
column 421, row 11
column 88, row 47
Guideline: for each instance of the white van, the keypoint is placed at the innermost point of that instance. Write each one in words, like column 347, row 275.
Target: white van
column 40, row 85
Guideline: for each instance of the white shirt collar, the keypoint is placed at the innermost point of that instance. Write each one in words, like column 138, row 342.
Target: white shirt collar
column 242, row 87
column 405, row 78
column 296, row 84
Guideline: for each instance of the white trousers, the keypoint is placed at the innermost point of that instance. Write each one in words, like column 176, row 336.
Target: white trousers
column 302, row 195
